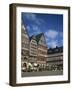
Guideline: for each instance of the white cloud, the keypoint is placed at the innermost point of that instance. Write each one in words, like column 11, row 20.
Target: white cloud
column 28, row 28
column 34, row 18
column 36, row 29
column 39, row 21
column 53, row 44
column 47, row 39
column 33, row 29
column 61, row 34
column 30, row 16
column 51, row 34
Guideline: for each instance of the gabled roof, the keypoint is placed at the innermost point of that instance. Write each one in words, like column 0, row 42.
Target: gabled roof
column 32, row 37
column 38, row 37
column 22, row 30
column 55, row 50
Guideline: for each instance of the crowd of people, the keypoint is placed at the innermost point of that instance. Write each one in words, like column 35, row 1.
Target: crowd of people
column 28, row 67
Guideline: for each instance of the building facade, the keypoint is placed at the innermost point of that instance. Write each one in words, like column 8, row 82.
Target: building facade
column 55, row 58
column 33, row 50
column 24, row 47
column 42, row 50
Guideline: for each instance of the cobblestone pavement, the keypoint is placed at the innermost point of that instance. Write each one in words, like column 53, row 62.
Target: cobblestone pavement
column 42, row 73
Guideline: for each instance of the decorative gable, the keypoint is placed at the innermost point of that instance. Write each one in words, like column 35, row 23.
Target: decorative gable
column 42, row 40
column 24, row 32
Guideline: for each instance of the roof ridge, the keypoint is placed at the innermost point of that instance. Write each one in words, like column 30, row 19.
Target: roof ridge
column 38, row 36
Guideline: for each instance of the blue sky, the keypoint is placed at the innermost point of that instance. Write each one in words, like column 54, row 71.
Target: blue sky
column 49, row 24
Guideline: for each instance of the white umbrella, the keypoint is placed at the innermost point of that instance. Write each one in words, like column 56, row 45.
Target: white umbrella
column 35, row 64
column 29, row 64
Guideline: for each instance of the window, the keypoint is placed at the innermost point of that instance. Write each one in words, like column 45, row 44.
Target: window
column 24, row 52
